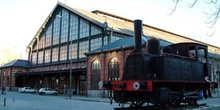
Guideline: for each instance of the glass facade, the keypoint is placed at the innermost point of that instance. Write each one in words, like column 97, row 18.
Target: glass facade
column 63, row 29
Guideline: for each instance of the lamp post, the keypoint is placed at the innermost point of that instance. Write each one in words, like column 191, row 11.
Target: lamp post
column 71, row 63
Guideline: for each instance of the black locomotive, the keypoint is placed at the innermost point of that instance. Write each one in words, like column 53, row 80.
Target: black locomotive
column 167, row 76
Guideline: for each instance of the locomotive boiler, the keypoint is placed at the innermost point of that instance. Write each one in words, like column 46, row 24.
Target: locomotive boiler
column 162, row 76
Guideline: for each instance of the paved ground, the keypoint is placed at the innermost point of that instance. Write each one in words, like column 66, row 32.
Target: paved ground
column 212, row 103
column 24, row 101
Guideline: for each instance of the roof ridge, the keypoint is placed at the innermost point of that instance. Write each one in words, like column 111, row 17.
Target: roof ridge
column 112, row 15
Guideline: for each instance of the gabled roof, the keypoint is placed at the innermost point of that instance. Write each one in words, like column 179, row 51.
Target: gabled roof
column 16, row 63
column 118, row 24
column 124, row 43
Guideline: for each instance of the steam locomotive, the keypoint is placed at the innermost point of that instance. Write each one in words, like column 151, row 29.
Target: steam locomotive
column 167, row 76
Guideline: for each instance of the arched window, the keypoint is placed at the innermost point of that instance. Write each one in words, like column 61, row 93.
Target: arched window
column 113, row 69
column 95, row 74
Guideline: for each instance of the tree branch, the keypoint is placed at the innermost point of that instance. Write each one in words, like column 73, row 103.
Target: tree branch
column 175, row 6
column 213, row 14
column 210, row 35
column 212, row 1
column 191, row 5
column 213, row 18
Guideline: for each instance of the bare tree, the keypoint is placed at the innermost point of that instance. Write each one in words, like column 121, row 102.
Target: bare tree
column 212, row 14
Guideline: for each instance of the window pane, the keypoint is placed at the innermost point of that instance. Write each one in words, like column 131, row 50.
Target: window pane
column 95, row 75
column 63, row 53
column 83, row 48
column 105, row 40
column 64, row 26
column 47, row 56
column 115, row 38
column 34, row 58
column 202, row 55
column 55, row 54
column 96, row 65
column 41, row 41
column 73, row 27
column 56, row 30
column 35, row 45
column 96, row 43
column 73, row 50
column 40, row 57
column 84, row 29
column 113, row 69
column 95, row 30
column 48, row 36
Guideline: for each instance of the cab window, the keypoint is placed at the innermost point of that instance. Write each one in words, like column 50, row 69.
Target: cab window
column 192, row 52
column 202, row 55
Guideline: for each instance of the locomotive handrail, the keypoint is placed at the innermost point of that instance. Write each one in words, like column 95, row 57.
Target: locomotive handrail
column 179, row 56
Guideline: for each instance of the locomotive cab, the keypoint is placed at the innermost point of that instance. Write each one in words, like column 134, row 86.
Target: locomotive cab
column 182, row 61
column 193, row 51
column 194, row 55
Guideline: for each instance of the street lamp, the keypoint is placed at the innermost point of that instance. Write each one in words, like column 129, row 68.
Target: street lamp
column 71, row 62
column 71, row 71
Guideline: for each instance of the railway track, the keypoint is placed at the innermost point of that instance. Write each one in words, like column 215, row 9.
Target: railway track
column 151, row 107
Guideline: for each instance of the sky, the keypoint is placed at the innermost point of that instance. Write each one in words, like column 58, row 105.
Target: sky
column 21, row 19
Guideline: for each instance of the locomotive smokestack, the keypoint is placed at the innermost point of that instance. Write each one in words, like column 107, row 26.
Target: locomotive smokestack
column 137, row 35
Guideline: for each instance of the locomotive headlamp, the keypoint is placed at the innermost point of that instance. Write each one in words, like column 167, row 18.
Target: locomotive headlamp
column 139, row 85
column 136, row 85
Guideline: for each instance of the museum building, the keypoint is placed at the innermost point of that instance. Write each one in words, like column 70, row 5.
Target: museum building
column 75, row 49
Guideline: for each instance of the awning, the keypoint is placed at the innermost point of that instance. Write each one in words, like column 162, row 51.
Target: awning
column 61, row 72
